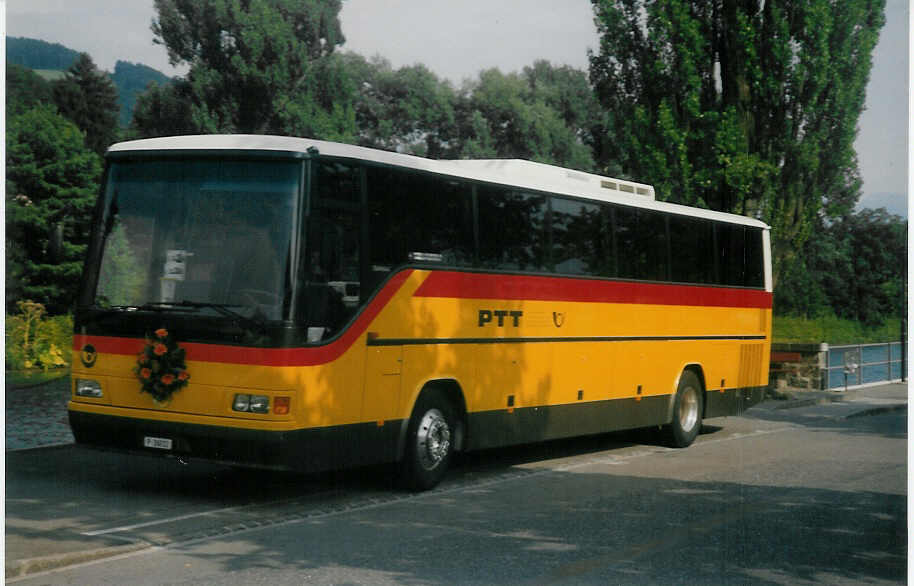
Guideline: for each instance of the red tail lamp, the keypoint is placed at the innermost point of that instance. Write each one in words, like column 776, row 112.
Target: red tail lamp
column 281, row 405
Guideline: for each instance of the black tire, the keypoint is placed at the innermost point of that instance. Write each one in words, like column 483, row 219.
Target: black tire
column 429, row 442
column 687, row 409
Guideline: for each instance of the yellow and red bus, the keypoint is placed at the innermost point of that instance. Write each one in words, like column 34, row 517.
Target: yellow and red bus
column 299, row 304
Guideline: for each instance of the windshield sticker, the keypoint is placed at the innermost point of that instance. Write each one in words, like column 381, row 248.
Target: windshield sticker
column 175, row 264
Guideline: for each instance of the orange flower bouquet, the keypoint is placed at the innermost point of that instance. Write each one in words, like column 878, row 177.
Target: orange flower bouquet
column 160, row 367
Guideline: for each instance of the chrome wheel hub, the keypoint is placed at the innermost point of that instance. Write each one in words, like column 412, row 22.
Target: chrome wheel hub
column 688, row 409
column 434, row 439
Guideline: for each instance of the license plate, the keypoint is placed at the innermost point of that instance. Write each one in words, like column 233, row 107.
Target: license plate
column 158, row 443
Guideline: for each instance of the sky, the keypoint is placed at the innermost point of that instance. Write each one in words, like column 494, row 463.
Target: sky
column 458, row 39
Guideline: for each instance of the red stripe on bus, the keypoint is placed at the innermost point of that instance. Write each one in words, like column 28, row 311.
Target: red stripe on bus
column 259, row 356
column 536, row 288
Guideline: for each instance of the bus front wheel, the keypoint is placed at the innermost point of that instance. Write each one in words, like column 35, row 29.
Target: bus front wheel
column 429, row 442
column 687, row 410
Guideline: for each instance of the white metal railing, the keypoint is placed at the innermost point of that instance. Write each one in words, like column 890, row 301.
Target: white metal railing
column 862, row 364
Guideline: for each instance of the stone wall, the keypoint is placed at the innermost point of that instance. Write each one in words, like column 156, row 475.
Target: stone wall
column 798, row 366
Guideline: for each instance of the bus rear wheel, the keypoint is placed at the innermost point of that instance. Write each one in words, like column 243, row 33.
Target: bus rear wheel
column 429, row 442
column 687, row 410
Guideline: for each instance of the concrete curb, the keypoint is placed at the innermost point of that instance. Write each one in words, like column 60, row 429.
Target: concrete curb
column 41, row 447
column 28, row 566
column 817, row 400
column 856, row 402
column 878, row 410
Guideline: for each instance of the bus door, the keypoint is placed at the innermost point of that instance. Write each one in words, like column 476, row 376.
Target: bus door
column 381, row 397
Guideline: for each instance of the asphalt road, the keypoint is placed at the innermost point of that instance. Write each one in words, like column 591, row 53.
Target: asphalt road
column 809, row 495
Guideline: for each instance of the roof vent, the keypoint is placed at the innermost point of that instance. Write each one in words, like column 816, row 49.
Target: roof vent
column 627, row 188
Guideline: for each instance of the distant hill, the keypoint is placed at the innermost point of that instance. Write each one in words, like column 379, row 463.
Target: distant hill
column 132, row 79
column 51, row 60
column 36, row 54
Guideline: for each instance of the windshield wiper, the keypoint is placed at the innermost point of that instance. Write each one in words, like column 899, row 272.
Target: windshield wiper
column 188, row 306
column 222, row 308
column 143, row 307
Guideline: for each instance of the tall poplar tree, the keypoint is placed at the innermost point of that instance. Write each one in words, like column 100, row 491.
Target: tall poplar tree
column 259, row 66
column 744, row 106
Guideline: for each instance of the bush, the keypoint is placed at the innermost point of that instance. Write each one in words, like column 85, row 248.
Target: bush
column 834, row 330
column 34, row 340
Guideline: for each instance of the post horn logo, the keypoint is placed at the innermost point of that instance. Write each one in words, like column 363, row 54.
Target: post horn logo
column 88, row 355
column 558, row 318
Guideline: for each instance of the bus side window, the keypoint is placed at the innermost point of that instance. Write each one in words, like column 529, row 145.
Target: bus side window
column 329, row 295
column 512, row 230
column 641, row 242
column 755, row 262
column 691, row 250
column 413, row 213
column 731, row 260
column 578, row 247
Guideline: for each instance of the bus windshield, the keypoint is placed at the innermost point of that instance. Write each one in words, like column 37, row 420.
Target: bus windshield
column 210, row 234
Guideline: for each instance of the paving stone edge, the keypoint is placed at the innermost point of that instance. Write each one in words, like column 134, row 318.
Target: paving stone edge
column 25, row 567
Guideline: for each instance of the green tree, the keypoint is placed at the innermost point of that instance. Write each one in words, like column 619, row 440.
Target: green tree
column 855, row 268
column 476, row 138
column 51, row 183
column 258, row 66
column 406, row 110
column 88, row 98
column 876, row 245
column 567, row 91
column 325, row 108
column 163, row 110
column 802, row 288
column 25, row 89
column 747, row 106
column 513, row 116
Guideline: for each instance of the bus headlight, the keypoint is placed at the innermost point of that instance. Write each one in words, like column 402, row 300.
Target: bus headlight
column 241, row 403
column 88, row 388
column 260, row 404
column 251, row 403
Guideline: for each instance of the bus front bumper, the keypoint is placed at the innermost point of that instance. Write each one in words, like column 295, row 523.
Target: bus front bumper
column 306, row 450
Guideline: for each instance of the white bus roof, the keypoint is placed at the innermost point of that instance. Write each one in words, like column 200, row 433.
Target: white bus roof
column 509, row 172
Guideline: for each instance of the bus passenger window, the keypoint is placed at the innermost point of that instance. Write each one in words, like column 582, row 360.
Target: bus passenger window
column 754, row 258
column 641, row 244
column 418, row 218
column 512, row 230
column 578, row 245
column 691, row 250
column 730, row 247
